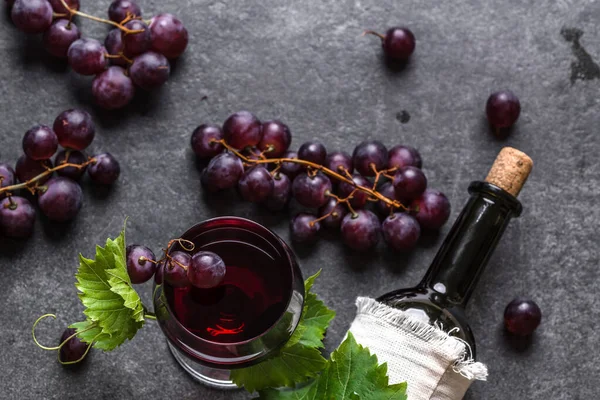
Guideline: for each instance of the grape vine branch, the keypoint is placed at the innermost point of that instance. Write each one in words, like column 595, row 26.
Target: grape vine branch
column 120, row 25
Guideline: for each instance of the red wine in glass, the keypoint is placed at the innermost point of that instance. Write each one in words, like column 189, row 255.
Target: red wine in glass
column 244, row 319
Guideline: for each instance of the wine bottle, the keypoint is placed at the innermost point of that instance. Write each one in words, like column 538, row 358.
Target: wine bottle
column 440, row 298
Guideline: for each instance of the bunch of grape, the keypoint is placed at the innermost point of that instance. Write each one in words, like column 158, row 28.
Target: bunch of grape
column 135, row 52
column 254, row 156
column 60, row 197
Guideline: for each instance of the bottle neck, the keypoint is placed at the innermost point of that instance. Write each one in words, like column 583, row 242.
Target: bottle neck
column 466, row 250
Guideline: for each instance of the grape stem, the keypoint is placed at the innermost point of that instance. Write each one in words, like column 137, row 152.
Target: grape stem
column 31, row 184
column 372, row 192
column 73, row 12
column 368, row 32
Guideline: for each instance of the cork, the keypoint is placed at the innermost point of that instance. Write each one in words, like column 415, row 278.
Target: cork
column 510, row 170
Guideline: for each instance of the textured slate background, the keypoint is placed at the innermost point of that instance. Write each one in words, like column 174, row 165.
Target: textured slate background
column 305, row 62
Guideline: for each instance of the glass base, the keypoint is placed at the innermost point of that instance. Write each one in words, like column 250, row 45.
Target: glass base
column 215, row 378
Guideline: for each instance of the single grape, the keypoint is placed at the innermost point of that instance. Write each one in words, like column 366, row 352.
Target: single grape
column 311, row 191
column 87, row 56
column 289, row 168
column 160, row 272
column 207, row 270
column 75, row 157
column 174, row 273
column 522, row 317
column 276, row 138
column 370, row 155
column 256, row 184
column 432, row 209
column 32, row 16
column 105, row 170
column 359, row 198
column 139, row 268
column 74, row 129
column 114, row 46
column 27, row 169
column 136, row 43
column 17, row 217
column 7, row 176
column 409, row 183
column 113, row 88
column 314, row 152
column 401, row 231
column 281, row 193
column 60, row 199
column 121, row 9
column 150, row 70
column 404, row 156
column 399, row 43
column 60, row 36
column 338, row 161
column 304, row 228
column 169, row 36
column 59, row 8
column 223, row 172
column 360, row 231
column 242, row 129
column 40, row 143
column 202, row 141
column 503, row 109
column 74, row 349
column 336, row 211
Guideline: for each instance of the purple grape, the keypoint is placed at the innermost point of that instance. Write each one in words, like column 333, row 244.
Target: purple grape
column 242, row 130
column 368, row 155
column 136, row 43
column 7, row 176
column 174, row 273
column 160, row 272
column 114, row 46
column 113, row 88
column 87, row 56
column 522, row 317
column 256, row 184
column 60, row 36
column 119, row 10
column 27, row 169
column 40, row 143
column 359, row 198
column 360, row 231
column 202, row 141
column 401, row 231
column 281, row 194
column 207, row 270
column 432, row 208
column 409, row 183
column 303, row 228
column 75, row 157
column 139, row 269
column 60, row 199
column 314, row 152
column 150, row 70
column 337, row 212
column 169, row 36
column 74, row 129
column 503, row 109
column 311, row 191
column 223, row 172
column 32, row 16
column 399, row 43
column 338, row 161
column 105, row 170
column 289, row 168
column 74, row 349
column 17, row 217
column 59, row 8
column 404, row 156
column 276, row 138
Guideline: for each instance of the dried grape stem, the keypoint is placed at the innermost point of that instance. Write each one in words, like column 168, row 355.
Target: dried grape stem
column 102, row 20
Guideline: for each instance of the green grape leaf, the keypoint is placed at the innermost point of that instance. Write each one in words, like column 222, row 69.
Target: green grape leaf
column 351, row 374
column 315, row 321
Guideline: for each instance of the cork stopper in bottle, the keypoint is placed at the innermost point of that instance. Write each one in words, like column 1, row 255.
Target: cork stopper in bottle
column 510, row 170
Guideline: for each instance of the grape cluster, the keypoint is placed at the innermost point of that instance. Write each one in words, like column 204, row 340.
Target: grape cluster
column 254, row 156
column 135, row 53
column 59, row 197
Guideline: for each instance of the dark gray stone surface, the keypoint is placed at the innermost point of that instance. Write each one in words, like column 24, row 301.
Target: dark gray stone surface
column 305, row 62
